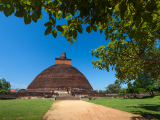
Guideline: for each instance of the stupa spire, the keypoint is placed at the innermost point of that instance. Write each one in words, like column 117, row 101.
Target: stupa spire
column 63, row 55
column 63, row 59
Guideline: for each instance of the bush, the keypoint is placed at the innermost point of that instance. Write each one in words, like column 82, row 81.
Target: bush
column 5, row 91
column 122, row 92
column 115, row 96
column 92, row 98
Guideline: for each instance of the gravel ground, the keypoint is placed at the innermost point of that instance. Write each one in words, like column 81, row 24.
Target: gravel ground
column 81, row 110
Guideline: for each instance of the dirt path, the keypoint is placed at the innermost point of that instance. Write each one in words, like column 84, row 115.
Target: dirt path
column 81, row 110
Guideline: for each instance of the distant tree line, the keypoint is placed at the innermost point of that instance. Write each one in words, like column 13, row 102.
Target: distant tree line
column 111, row 88
column 144, row 83
column 4, row 86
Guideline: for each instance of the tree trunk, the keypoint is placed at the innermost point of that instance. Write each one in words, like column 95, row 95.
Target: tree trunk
column 152, row 93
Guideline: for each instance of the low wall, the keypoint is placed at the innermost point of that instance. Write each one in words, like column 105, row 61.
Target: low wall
column 88, row 94
column 30, row 97
column 96, row 94
column 26, row 95
column 100, row 95
column 77, row 94
column 129, row 95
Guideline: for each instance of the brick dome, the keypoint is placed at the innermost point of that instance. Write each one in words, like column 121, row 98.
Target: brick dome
column 62, row 74
column 58, row 76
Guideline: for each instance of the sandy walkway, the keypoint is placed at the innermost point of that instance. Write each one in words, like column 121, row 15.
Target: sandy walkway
column 81, row 110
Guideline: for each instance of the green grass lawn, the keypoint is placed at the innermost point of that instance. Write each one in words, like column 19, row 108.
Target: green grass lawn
column 146, row 107
column 24, row 109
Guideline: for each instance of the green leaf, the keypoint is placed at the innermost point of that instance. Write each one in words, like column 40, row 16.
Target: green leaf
column 69, row 22
column 71, row 16
column 48, row 31
column 27, row 19
column 79, row 28
column 59, row 28
column 69, row 39
column 64, row 13
column 20, row 13
column 34, row 17
column 38, row 11
column 66, row 34
column 54, row 33
column 93, row 21
column 101, row 31
column 110, row 12
column 70, row 33
column 71, row 42
column 147, row 17
column 95, row 28
column 8, row 11
column 50, row 15
column 49, row 24
column 144, row 33
column 74, row 34
column 151, row 6
column 54, row 14
column 75, row 39
column 140, row 35
column 41, row 15
column 138, row 20
column 59, row 16
column 67, row 16
column 132, row 34
column 123, row 8
column 154, row 25
column 88, row 29
column 1, row 8
column 52, row 20
column 80, row 21
column 135, row 3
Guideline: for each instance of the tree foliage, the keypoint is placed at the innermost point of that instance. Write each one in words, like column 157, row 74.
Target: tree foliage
column 122, row 92
column 101, row 91
column 123, row 58
column 110, row 16
column 113, row 88
column 4, row 86
column 143, row 83
column 132, row 26
column 158, row 81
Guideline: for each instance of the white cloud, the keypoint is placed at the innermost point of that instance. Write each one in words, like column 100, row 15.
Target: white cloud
column 14, row 84
column 20, row 86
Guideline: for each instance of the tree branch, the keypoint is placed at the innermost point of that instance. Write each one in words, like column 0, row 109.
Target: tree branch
column 145, row 59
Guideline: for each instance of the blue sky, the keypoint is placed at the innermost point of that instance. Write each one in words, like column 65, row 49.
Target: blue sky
column 26, row 51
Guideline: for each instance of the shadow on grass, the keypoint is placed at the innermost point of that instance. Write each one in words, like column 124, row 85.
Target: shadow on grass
column 145, row 97
column 150, row 107
column 146, row 116
column 7, row 98
column 140, row 118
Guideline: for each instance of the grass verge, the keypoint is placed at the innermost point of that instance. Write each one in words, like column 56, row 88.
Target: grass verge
column 146, row 107
column 24, row 109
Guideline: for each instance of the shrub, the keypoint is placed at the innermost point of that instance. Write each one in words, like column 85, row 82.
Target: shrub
column 91, row 98
column 122, row 92
column 115, row 96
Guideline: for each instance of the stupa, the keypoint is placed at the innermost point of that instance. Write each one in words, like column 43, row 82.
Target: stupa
column 60, row 78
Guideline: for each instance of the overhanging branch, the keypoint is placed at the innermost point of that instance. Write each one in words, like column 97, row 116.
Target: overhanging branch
column 145, row 59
